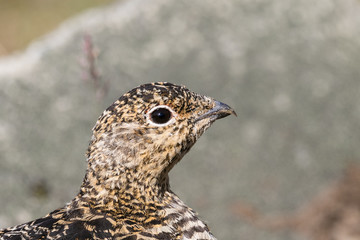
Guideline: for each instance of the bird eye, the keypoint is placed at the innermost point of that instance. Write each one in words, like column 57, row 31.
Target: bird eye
column 160, row 115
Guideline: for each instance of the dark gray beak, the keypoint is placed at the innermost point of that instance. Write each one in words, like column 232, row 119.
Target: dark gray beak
column 220, row 110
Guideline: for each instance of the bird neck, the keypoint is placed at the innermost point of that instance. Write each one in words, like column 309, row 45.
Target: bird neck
column 121, row 189
column 118, row 175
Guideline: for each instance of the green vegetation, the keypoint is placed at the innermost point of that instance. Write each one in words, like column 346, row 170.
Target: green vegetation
column 21, row 21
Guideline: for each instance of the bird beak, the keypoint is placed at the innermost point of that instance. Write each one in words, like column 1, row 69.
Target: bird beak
column 220, row 110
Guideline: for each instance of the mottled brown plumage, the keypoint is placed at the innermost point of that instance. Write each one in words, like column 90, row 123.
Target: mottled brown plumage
column 125, row 193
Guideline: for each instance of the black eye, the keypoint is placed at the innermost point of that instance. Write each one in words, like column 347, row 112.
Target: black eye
column 160, row 115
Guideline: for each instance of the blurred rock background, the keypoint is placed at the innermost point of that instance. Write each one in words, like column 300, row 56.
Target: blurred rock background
column 289, row 68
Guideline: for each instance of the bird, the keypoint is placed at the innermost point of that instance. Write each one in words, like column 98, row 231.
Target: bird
column 125, row 193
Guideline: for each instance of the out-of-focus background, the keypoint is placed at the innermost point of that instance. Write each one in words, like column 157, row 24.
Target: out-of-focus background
column 286, row 168
column 23, row 21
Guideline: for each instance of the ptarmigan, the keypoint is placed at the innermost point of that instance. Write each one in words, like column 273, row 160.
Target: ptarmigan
column 125, row 193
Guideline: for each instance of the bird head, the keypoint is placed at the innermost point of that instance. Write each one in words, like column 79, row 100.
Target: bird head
column 143, row 134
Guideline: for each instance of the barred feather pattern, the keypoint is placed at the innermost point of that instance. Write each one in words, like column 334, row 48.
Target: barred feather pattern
column 125, row 193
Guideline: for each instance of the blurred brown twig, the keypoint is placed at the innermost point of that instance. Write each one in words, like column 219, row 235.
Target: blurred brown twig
column 91, row 73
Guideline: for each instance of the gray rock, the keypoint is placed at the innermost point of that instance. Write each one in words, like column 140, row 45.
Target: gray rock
column 289, row 68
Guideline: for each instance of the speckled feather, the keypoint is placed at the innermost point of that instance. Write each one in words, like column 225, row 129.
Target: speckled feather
column 125, row 193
